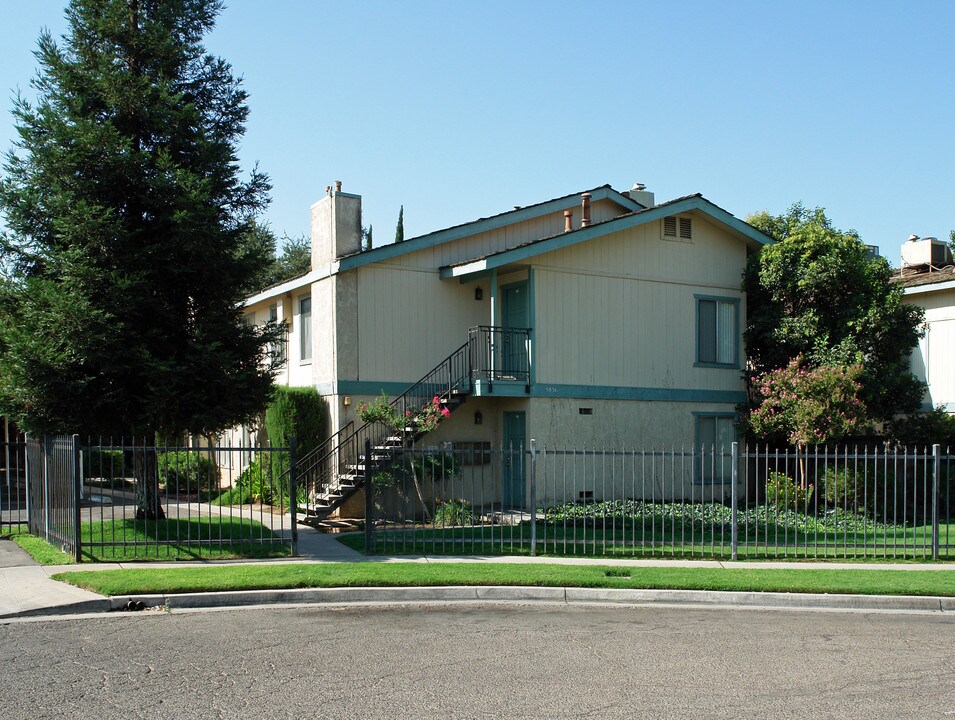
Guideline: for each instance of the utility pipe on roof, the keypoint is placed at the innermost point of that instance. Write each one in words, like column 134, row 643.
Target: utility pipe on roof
column 585, row 210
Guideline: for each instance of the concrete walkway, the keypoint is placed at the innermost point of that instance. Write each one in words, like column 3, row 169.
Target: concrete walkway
column 26, row 588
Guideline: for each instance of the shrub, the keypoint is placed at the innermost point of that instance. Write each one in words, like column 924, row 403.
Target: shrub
column 266, row 481
column 105, row 464
column 783, row 492
column 843, row 489
column 453, row 512
column 297, row 412
column 922, row 430
column 186, row 471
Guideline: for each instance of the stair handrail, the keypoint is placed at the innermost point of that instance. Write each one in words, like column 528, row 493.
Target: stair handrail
column 459, row 357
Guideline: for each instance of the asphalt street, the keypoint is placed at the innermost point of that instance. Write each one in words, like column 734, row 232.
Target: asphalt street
column 475, row 661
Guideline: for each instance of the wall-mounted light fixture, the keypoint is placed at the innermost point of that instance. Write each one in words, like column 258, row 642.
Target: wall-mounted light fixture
column 478, row 418
column 478, row 293
column 346, row 400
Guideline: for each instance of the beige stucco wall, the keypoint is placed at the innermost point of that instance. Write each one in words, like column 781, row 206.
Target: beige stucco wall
column 932, row 360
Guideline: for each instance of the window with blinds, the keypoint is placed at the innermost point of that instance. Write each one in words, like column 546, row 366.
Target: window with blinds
column 717, row 330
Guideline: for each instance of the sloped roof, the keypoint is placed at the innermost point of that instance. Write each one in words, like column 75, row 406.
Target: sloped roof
column 942, row 275
column 492, row 222
column 639, row 217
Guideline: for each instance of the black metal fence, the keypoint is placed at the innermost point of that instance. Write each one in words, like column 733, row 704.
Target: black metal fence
column 816, row 503
column 13, row 481
column 100, row 500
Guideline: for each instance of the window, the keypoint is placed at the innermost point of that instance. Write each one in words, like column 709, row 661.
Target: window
column 715, row 435
column 677, row 228
column 717, row 332
column 305, row 326
column 277, row 347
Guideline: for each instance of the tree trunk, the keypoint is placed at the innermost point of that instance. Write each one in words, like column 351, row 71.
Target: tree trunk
column 417, row 487
column 146, row 471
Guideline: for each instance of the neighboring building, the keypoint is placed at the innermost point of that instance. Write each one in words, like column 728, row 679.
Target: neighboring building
column 594, row 319
column 929, row 281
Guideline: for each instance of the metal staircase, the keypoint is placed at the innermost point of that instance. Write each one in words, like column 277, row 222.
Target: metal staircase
column 335, row 471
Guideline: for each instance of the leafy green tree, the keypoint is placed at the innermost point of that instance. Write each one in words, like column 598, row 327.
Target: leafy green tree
column 815, row 293
column 400, row 229
column 128, row 246
column 295, row 259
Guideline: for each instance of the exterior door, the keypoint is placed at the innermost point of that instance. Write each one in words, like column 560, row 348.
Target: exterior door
column 515, row 313
column 513, row 470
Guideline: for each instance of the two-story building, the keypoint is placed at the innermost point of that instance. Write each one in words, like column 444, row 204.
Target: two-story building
column 596, row 319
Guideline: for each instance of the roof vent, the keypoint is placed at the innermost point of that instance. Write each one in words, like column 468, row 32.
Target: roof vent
column 639, row 194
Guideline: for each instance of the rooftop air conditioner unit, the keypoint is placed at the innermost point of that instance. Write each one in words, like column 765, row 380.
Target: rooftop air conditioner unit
column 928, row 251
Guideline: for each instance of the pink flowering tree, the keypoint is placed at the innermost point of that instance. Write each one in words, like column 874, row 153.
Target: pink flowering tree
column 809, row 405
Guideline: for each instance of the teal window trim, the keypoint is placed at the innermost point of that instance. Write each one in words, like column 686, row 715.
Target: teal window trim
column 736, row 331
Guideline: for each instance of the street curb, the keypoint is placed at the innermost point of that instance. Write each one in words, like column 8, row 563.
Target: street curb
column 76, row 608
column 558, row 595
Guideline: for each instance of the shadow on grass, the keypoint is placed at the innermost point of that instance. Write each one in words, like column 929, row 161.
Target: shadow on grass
column 179, row 539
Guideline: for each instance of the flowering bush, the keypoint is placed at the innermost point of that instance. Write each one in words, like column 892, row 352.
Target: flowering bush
column 423, row 421
column 783, row 492
column 809, row 405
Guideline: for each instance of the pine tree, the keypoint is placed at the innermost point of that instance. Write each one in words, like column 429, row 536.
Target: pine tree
column 367, row 235
column 127, row 252
column 400, row 230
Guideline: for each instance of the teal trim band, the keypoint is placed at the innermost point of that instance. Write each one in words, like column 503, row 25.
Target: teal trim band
column 588, row 392
column 387, row 252
column 613, row 392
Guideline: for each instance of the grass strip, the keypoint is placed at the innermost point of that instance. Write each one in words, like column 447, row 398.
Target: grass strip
column 42, row 551
column 261, row 577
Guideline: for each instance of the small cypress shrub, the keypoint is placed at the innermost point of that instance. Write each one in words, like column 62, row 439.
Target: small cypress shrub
column 297, row 412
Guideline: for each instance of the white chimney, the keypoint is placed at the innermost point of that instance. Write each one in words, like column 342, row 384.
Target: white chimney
column 639, row 193
column 336, row 226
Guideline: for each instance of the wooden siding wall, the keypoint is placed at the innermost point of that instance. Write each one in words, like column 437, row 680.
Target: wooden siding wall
column 621, row 310
column 932, row 359
column 409, row 320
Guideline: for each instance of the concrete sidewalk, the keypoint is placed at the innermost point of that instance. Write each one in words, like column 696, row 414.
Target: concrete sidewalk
column 26, row 588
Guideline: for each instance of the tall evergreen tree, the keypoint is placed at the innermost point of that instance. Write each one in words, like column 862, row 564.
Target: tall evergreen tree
column 400, row 230
column 128, row 251
column 367, row 233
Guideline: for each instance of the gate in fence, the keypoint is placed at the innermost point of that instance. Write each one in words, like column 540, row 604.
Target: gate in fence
column 737, row 502
column 126, row 501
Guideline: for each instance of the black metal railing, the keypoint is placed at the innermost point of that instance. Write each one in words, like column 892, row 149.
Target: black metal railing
column 500, row 354
column 341, row 467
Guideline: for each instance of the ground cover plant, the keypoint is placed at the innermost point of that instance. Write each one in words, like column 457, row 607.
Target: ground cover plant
column 296, row 575
column 635, row 528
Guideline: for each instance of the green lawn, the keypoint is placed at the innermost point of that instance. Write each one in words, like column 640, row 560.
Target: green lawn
column 862, row 540
column 249, row 577
column 179, row 539
column 126, row 540
column 42, row 551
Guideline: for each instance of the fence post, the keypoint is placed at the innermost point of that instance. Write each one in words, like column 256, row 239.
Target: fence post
column 734, row 501
column 369, row 502
column 533, row 497
column 936, row 473
column 292, row 493
column 77, row 496
column 46, row 488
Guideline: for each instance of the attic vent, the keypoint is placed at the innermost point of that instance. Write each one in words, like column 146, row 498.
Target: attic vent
column 686, row 229
column 677, row 228
column 669, row 227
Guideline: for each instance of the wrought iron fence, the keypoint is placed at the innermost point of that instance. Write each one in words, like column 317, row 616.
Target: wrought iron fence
column 113, row 501
column 737, row 502
column 13, row 486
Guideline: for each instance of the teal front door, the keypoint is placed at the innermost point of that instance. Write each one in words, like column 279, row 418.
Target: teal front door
column 513, row 471
column 515, row 313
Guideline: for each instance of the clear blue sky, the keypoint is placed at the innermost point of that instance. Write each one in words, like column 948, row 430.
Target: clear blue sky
column 460, row 110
